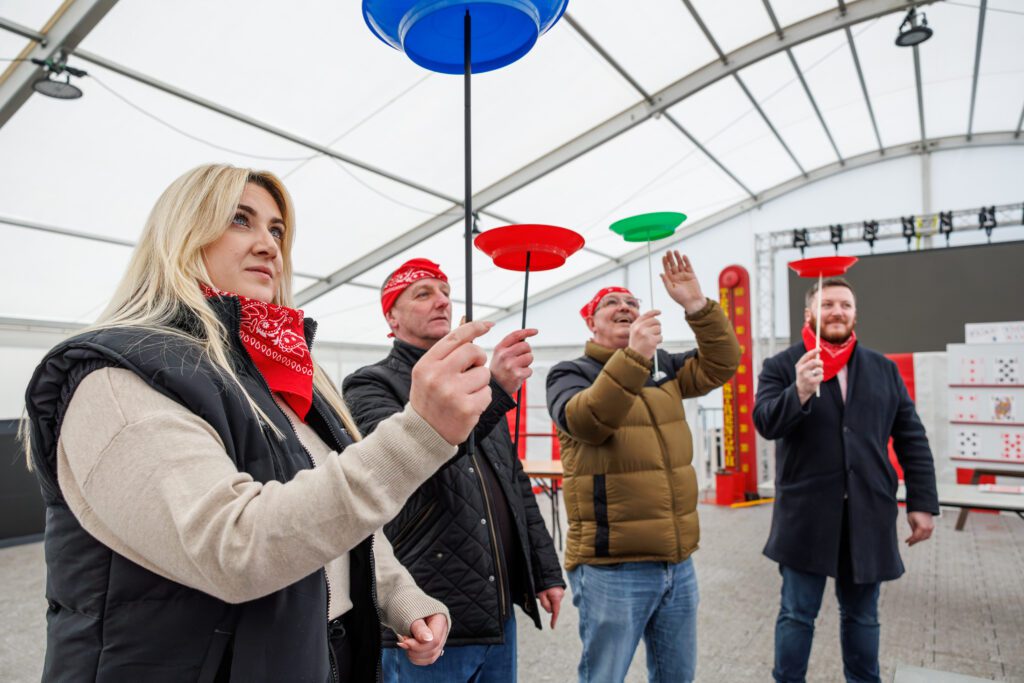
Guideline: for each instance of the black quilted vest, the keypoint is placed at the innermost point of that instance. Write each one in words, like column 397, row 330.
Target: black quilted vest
column 111, row 620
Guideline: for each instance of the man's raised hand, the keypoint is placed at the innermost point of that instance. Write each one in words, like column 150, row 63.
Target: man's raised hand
column 510, row 362
column 450, row 383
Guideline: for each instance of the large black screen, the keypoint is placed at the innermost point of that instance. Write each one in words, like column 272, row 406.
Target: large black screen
column 920, row 300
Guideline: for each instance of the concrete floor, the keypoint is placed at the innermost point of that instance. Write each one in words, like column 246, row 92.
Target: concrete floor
column 959, row 608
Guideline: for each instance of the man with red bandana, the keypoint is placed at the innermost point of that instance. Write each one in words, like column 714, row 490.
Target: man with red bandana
column 472, row 535
column 630, row 488
column 835, row 490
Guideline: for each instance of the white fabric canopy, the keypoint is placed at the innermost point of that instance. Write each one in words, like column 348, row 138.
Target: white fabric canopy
column 313, row 69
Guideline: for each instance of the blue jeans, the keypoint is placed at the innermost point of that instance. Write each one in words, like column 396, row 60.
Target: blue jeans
column 858, row 626
column 621, row 603
column 458, row 664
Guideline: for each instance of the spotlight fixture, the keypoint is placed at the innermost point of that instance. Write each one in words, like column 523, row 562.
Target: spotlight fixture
column 987, row 220
column 801, row 239
column 50, row 86
column 908, row 229
column 946, row 224
column 914, row 30
column 836, row 236
column 871, row 233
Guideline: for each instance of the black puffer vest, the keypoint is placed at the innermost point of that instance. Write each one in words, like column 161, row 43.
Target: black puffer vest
column 111, row 620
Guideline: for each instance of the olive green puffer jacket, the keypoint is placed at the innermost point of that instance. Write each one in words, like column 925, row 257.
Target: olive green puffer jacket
column 627, row 452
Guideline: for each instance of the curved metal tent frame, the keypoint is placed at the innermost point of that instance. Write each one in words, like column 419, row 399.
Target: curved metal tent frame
column 62, row 35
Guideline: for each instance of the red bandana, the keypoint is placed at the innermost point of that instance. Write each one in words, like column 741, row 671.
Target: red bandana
column 834, row 356
column 406, row 274
column 591, row 306
column 276, row 341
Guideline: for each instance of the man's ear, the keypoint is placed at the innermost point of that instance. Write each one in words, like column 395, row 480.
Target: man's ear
column 807, row 315
column 391, row 320
column 590, row 324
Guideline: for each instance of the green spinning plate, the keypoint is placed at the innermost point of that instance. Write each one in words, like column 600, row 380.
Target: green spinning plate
column 647, row 227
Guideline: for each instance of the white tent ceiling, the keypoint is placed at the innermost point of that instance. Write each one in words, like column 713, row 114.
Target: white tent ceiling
column 622, row 108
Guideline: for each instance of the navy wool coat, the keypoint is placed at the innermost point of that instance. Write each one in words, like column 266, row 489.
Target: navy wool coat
column 825, row 450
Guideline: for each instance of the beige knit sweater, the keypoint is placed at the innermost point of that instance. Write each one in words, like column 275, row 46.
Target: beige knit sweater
column 152, row 481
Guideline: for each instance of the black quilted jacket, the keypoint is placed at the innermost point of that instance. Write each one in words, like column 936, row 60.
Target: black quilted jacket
column 438, row 535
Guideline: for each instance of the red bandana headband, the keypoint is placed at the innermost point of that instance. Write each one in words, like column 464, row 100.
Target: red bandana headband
column 276, row 341
column 591, row 306
column 406, row 274
column 834, row 356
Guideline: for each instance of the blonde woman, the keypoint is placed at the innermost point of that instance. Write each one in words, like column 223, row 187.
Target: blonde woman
column 211, row 511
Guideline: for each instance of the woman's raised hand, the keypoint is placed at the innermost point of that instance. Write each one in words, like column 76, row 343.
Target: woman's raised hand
column 450, row 383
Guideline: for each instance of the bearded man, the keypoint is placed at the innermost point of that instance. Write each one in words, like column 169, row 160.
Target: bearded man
column 835, row 489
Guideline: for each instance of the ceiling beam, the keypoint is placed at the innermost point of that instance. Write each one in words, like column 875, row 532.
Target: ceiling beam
column 920, row 94
column 174, row 91
column 977, row 64
column 863, row 86
column 647, row 96
column 23, row 31
column 735, row 74
column 90, row 236
column 63, row 32
column 803, row 81
column 796, row 183
column 808, row 29
column 285, row 135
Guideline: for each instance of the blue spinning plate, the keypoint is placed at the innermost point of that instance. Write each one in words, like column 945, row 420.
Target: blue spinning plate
column 431, row 32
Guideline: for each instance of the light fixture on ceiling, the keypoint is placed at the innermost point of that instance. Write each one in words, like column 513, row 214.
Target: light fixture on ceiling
column 914, row 30
column 51, row 86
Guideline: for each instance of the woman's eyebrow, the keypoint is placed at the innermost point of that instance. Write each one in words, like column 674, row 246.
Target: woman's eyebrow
column 250, row 210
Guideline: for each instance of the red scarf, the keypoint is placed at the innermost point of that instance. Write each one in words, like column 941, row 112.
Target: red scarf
column 835, row 356
column 276, row 341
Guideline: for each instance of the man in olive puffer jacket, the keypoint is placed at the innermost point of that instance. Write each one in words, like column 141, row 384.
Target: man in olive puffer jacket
column 630, row 487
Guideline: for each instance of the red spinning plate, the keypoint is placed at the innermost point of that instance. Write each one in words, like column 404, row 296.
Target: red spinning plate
column 548, row 245
column 823, row 266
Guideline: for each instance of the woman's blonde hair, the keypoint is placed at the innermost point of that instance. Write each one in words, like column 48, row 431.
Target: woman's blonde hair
column 161, row 285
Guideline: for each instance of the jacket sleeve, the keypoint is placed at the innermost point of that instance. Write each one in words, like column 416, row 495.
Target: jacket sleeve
column 592, row 412
column 913, row 452
column 369, row 399
column 777, row 408
column 500, row 404
column 401, row 600
column 152, row 481
column 718, row 352
column 547, row 571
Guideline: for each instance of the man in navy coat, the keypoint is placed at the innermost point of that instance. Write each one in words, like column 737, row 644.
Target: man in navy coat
column 835, row 490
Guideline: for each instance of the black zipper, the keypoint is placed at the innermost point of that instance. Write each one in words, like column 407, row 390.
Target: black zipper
column 376, row 605
column 404, row 535
column 494, row 538
column 312, row 465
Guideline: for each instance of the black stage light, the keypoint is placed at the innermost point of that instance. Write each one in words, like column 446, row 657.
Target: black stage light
column 946, row 224
column 801, row 239
column 908, row 229
column 987, row 220
column 50, row 86
column 914, row 30
column 871, row 233
column 836, row 236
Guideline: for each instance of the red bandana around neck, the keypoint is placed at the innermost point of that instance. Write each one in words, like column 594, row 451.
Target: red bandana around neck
column 276, row 341
column 591, row 306
column 834, row 356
